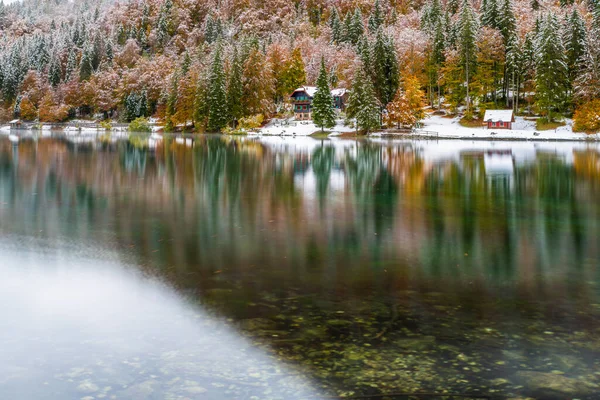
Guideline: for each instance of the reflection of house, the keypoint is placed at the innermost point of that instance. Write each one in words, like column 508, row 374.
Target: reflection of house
column 303, row 96
column 499, row 119
column 498, row 163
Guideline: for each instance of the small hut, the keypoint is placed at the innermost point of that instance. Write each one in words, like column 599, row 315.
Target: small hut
column 15, row 124
column 499, row 119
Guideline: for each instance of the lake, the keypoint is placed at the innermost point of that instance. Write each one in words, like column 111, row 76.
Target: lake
column 295, row 268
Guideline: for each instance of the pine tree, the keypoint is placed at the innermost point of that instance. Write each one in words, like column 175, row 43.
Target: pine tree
column 201, row 103
column 551, row 68
column 490, row 15
column 376, row 18
column 217, row 96
column 54, row 71
column 386, row 69
column 71, row 65
column 467, row 45
column 357, row 28
column 535, row 5
column 85, row 66
column 235, row 89
column 575, row 41
column 587, row 83
column 507, row 23
column 347, row 28
column 336, row 27
column 362, row 104
column 323, row 114
column 452, row 6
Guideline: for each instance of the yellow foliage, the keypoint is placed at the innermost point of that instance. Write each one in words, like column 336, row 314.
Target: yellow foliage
column 587, row 117
column 28, row 110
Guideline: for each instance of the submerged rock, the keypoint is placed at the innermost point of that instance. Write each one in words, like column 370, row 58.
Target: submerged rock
column 551, row 386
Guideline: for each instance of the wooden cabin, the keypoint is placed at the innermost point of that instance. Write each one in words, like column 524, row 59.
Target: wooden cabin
column 499, row 119
column 302, row 102
column 302, row 99
column 15, row 124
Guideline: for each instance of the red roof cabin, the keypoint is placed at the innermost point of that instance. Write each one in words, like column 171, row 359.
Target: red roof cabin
column 499, row 119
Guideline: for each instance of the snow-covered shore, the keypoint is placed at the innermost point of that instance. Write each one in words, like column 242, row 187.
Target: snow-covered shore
column 449, row 128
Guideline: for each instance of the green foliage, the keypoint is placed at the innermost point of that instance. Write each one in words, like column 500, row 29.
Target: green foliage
column 362, row 104
column 323, row 114
column 140, row 125
column 218, row 115
column 386, row 71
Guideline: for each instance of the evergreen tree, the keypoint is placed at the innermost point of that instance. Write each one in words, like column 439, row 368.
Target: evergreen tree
column 336, row 27
column 217, row 94
column 54, row 71
column 576, row 42
column 386, row 69
column 85, row 66
column 109, row 50
column 71, row 65
column 235, row 89
column 201, row 103
column 323, row 114
column 490, row 14
column 507, row 23
column 551, row 68
column 467, row 46
column 362, row 104
column 357, row 28
column 535, row 5
column 347, row 29
column 452, row 6
column 587, row 83
column 376, row 18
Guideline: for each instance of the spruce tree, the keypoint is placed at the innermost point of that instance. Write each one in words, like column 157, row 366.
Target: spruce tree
column 71, row 64
column 467, row 46
column 217, row 96
column 376, row 18
column 386, row 69
column 507, row 23
column 357, row 28
column 362, row 104
column 235, row 90
column 490, row 14
column 54, row 71
column 323, row 114
column 535, row 5
column 347, row 29
column 85, row 67
column 551, row 68
column 575, row 42
column 336, row 27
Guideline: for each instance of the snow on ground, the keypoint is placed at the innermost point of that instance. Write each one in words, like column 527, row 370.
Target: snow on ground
column 522, row 130
column 291, row 127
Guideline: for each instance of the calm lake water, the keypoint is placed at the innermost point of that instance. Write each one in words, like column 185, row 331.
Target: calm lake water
column 273, row 268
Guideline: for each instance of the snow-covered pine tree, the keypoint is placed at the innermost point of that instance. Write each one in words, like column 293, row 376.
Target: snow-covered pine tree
column 357, row 28
column 575, row 42
column 467, row 46
column 71, row 64
column 347, row 28
column 587, row 83
column 507, row 23
column 235, row 89
column 376, row 19
column 218, row 115
column 323, row 114
column 490, row 14
column 54, row 71
column 85, row 66
column 385, row 68
column 551, row 69
column 362, row 104
column 336, row 26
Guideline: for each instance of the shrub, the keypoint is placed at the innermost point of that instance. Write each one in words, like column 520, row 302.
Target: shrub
column 545, row 124
column 251, row 123
column 587, row 117
column 140, row 125
column 107, row 126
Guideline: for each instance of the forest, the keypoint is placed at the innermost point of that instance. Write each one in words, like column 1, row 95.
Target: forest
column 218, row 65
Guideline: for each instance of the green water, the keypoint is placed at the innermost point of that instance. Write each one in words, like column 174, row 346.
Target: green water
column 276, row 268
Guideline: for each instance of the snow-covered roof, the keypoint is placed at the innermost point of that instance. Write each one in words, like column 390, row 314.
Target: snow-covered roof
column 310, row 90
column 498, row 115
column 339, row 92
column 14, row 121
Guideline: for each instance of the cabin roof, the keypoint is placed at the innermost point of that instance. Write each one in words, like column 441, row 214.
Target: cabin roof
column 15, row 121
column 310, row 90
column 498, row 116
column 339, row 92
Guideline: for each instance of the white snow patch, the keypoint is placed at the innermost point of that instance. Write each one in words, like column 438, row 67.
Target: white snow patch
column 291, row 127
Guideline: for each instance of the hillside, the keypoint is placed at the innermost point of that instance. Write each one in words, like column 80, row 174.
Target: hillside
column 211, row 64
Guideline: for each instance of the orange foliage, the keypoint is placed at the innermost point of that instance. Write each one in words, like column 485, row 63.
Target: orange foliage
column 50, row 111
column 28, row 110
column 587, row 117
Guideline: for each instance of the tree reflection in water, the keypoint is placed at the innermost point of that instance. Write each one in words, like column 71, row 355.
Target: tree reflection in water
column 374, row 267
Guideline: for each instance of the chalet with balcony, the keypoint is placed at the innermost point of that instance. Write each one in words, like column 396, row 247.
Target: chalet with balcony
column 499, row 119
column 302, row 101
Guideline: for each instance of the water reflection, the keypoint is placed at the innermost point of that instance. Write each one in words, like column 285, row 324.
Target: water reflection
column 370, row 266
